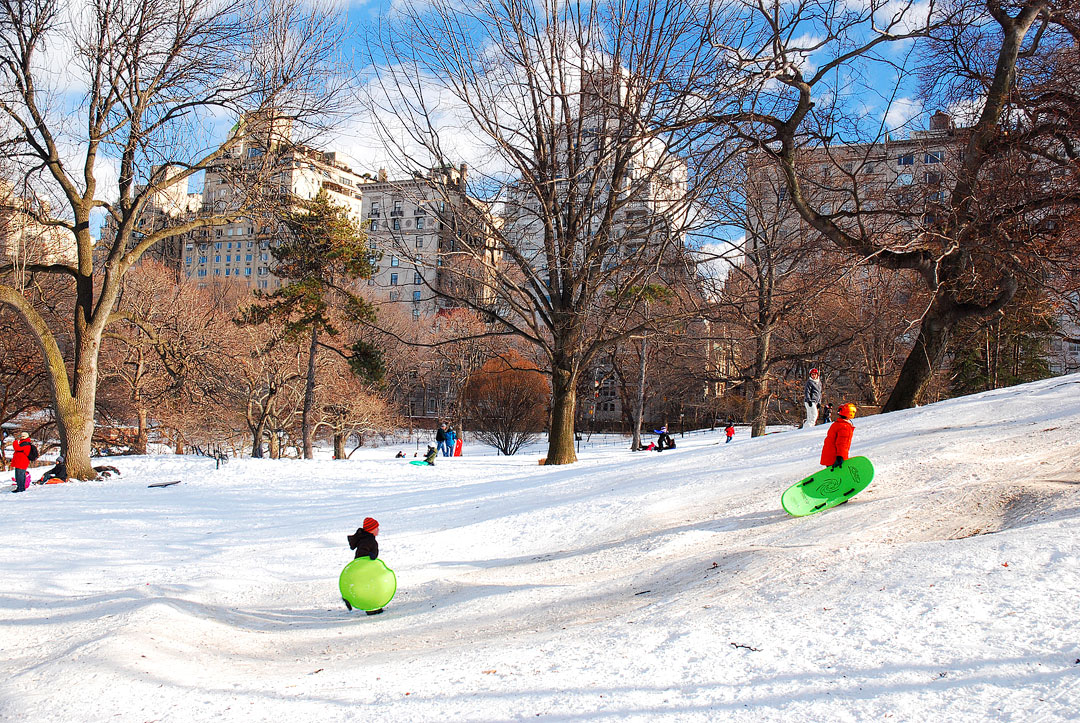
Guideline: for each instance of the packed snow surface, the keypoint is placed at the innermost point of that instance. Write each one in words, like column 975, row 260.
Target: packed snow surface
column 636, row 586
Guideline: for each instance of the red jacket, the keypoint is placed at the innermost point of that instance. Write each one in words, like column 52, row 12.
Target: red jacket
column 837, row 441
column 21, row 458
column 730, row 431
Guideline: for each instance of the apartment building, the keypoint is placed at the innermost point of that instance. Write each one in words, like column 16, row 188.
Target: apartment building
column 256, row 174
column 411, row 225
column 25, row 240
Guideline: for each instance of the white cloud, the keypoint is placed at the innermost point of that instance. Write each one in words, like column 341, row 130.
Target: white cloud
column 902, row 112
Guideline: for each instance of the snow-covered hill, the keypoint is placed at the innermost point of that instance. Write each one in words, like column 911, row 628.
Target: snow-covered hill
column 629, row 586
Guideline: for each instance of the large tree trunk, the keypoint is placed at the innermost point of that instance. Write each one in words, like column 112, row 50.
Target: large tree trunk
column 934, row 334
column 564, row 406
column 275, row 446
column 306, row 426
column 75, row 415
column 142, row 436
column 339, row 445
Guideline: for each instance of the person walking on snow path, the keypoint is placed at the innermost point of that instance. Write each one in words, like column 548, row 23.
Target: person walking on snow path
column 812, row 398
column 20, row 459
column 365, row 544
column 838, row 439
column 730, row 432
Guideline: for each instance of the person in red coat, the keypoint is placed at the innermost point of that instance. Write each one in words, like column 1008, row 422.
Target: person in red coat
column 838, row 439
column 20, row 460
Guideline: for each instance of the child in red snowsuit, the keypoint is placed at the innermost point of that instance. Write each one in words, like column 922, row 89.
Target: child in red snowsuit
column 730, row 432
column 838, row 439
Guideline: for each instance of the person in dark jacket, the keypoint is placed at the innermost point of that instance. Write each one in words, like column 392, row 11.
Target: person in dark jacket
column 826, row 414
column 58, row 471
column 365, row 544
column 440, row 439
column 432, row 453
column 20, row 460
column 812, row 397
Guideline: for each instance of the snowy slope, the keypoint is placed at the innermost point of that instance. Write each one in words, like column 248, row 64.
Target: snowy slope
column 628, row 586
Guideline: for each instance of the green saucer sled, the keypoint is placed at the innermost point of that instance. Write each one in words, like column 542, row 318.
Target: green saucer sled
column 367, row 584
column 827, row 487
column 420, row 463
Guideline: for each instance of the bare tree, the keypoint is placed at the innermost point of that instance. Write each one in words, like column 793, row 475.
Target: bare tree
column 505, row 402
column 578, row 112
column 151, row 78
column 1003, row 178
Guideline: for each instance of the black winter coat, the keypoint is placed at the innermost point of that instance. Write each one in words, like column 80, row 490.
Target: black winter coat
column 364, row 543
column 440, row 435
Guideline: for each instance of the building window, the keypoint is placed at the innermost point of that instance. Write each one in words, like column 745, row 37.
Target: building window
column 217, row 259
column 908, row 159
column 374, row 209
column 417, row 278
column 372, row 244
column 396, row 224
column 217, row 272
column 416, row 315
column 420, row 223
column 202, row 272
column 395, row 295
column 374, row 225
column 247, row 272
column 416, row 296
column 247, row 258
column 934, row 157
column 393, row 260
column 218, row 246
column 393, row 279
column 419, row 242
column 202, row 259
column 397, row 209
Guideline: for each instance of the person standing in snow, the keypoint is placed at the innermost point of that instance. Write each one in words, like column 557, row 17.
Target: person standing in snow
column 838, row 439
column 365, row 544
column 730, row 432
column 451, row 440
column 20, row 459
column 826, row 414
column 440, row 438
column 812, row 398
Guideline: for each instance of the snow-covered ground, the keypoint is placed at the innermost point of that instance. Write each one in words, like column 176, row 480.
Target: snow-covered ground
column 628, row 586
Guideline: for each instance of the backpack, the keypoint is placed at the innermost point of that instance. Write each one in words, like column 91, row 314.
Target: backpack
column 32, row 455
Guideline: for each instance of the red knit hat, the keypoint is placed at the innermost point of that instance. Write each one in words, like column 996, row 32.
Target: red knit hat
column 370, row 524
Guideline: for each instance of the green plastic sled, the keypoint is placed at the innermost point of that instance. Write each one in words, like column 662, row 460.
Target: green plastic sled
column 367, row 584
column 420, row 463
column 827, row 487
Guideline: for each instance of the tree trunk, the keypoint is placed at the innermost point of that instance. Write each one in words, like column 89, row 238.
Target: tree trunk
column 307, row 428
column 759, row 386
column 563, row 408
column 339, row 445
column 640, row 412
column 275, row 446
column 257, row 438
column 918, row 369
column 141, row 437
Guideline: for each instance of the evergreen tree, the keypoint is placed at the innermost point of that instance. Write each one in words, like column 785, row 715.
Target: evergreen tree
column 320, row 259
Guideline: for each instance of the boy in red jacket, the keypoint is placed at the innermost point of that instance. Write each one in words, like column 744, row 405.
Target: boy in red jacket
column 20, row 460
column 838, row 439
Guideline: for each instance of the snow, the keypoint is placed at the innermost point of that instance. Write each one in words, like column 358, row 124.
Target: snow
column 636, row 586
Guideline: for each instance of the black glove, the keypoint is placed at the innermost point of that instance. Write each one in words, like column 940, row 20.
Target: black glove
column 838, row 463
